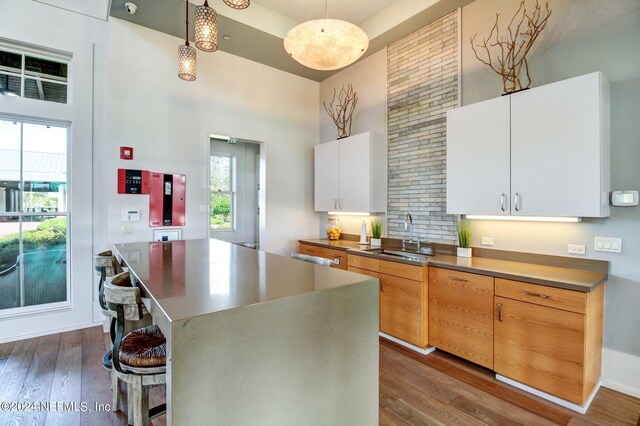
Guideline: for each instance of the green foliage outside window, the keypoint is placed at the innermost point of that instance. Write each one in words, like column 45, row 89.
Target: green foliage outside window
column 49, row 235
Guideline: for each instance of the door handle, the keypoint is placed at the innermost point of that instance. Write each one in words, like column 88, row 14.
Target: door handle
column 500, row 311
column 502, row 198
column 517, row 201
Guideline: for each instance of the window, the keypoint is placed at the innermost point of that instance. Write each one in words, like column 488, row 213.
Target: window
column 33, row 77
column 222, row 199
column 33, row 214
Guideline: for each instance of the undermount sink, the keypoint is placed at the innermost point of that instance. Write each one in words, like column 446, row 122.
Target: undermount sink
column 418, row 257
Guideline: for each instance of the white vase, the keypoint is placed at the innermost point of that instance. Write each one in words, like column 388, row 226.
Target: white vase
column 376, row 242
column 464, row 252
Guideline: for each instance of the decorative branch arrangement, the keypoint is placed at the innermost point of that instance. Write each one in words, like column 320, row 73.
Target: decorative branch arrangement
column 510, row 51
column 342, row 112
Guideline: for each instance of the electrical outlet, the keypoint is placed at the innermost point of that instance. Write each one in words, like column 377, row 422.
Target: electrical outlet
column 576, row 249
column 487, row 241
column 127, row 230
column 611, row 245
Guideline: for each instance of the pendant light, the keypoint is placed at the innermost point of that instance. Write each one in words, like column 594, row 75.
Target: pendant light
column 187, row 55
column 206, row 26
column 326, row 44
column 238, row 4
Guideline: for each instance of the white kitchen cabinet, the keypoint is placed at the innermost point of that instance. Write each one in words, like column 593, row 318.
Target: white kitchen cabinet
column 478, row 168
column 351, row 174
column 556, row 161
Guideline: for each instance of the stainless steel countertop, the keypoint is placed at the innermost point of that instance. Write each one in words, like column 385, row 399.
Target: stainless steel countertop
column 189, row 278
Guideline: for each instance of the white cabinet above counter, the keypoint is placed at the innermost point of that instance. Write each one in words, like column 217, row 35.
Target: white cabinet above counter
column 538, row 152
column 351, row 174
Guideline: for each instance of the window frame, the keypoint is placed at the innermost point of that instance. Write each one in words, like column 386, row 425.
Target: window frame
column 231, row 192
column 38, row 77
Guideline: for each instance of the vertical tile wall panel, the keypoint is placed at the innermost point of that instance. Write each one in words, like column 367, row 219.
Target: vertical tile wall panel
column 422, row 86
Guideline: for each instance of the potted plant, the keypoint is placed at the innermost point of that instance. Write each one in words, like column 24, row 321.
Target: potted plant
column 464, row 239
column 376, row 232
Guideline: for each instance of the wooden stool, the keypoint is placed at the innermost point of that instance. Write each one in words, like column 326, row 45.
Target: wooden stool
column 139, row 358
column 106, row 266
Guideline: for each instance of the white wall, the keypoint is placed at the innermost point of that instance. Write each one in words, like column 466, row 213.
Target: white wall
column 168, row 122
column 86, row 39
column 369, row 80
column 582, row 36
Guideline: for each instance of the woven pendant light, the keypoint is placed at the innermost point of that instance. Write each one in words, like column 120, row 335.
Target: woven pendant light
column 238, row 4
column 206, row 26
column 187, row 55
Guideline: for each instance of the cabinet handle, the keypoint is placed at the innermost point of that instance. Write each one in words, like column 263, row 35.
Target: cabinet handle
column 517, row 202
column 500, row 311
column 502, row 198
column 382, row 285
column 340, row 203
column 335, row 204
column 543, row 296
column 452, row 278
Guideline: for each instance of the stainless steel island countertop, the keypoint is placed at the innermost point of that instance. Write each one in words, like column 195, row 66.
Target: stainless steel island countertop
column 254, row 336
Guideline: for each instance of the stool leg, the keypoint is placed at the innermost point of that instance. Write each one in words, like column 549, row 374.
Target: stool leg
column 140, row 401
column 115, row 389
column 130, row 403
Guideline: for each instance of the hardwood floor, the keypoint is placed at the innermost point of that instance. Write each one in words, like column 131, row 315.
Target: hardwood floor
column 435, row 389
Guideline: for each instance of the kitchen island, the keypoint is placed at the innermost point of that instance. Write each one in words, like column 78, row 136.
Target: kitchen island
column 255, row 338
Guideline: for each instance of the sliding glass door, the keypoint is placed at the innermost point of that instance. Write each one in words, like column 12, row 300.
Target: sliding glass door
column 33, row 216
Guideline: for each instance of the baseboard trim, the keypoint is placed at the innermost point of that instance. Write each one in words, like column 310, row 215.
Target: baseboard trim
column 621, row 372
column 48, row 332
column 564, row 403
column 423, row 351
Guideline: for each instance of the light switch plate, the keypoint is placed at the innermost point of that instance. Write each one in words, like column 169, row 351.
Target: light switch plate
column 607, row 244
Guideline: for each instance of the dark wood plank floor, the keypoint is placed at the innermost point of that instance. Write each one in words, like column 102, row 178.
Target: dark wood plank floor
column 435, row 389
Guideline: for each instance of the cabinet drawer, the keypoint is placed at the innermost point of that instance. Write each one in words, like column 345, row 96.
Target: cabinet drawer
column 311, row 250
column 448, row 275
column 363, row 262
column 402, row 270
column 568, row 300
column 363, row 272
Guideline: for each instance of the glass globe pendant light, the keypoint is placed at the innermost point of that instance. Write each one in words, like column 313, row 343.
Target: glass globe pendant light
column 187, row 55
column 206, row 28
column 238, row 4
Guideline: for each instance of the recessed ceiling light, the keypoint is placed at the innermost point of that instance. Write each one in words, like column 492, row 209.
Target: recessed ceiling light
column 226, row 37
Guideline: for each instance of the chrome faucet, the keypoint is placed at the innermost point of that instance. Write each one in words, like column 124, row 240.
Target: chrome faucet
column 408, row 224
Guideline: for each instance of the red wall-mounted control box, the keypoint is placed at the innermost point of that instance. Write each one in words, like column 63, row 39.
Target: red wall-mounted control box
column 133, row 181
column 166, row 199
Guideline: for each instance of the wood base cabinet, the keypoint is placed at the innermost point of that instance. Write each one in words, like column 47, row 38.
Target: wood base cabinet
column 548, row 338
column 403, row 297
column 461, row 314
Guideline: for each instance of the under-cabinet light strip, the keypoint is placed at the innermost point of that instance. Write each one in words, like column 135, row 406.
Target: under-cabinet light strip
column 525, row 218
column 349, row 214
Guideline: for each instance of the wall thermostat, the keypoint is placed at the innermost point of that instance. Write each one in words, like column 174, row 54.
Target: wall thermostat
column 624, row 198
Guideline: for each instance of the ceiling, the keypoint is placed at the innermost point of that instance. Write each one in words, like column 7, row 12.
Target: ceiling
column 257, row 33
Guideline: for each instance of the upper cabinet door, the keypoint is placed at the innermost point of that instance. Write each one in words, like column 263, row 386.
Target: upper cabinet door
column 355, row 173
column 559, row 149
column 327, row 176
column 478, row 166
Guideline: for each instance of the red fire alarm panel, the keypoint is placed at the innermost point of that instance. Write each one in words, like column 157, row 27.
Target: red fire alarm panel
column 166, row 199
column 133, row 181
column 126, row 153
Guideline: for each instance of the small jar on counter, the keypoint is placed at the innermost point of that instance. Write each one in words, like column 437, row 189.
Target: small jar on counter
column 333, row 228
